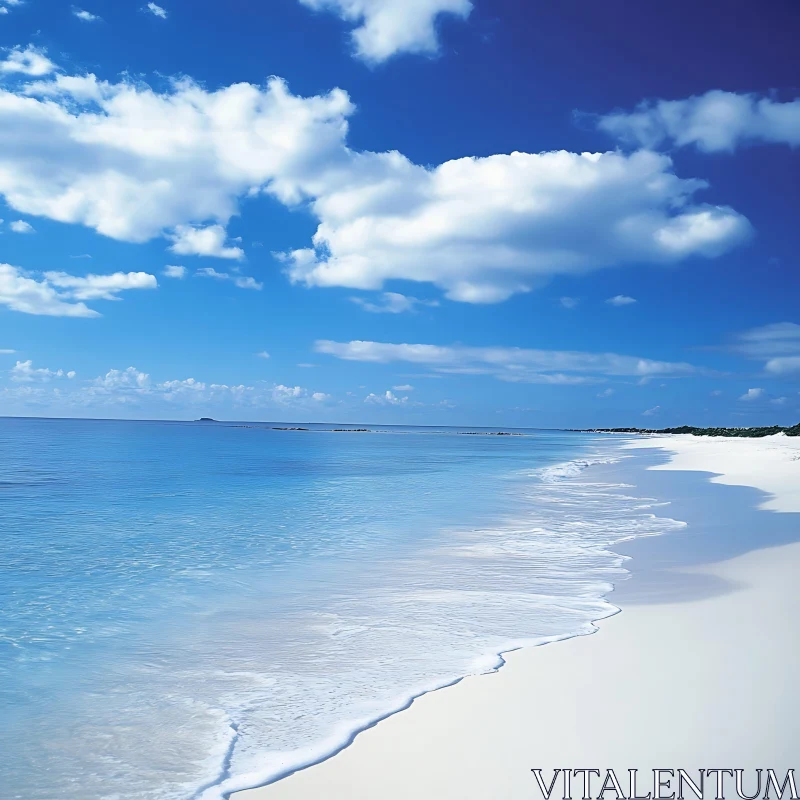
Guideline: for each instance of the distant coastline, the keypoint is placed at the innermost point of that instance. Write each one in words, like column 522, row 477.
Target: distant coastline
column 745, row 433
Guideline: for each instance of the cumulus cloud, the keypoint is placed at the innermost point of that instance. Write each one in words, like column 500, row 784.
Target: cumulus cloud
column 242, row 281
column 263, row 354
column 569, row 302
column 507, row 363
column 32, row 61
column 752, row 394
column 175, row 271
column 388, row 27
column 606, row 393
column 25, row 372
column 134, row 388
column 621, row 300
column 134, row 163
column 483, row 229
column 85, row 16
column 287, row 395
column 191, row 240
column 130, row 378
column 388, row 398
column 155, row 10
column 62, row 295
column 777, row 345
column 20, row 226
column 392, row 303
column 716, row 121
column 100, row 287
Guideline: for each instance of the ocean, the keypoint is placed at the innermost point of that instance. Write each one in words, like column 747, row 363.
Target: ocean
column 189, row 609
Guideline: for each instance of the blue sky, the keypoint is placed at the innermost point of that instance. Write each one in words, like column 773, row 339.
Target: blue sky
column 446, row 212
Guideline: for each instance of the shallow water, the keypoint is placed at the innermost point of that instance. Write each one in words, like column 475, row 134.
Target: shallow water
column 190, row 609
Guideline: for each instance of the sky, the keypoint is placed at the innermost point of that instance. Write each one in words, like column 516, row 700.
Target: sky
column 438, row 212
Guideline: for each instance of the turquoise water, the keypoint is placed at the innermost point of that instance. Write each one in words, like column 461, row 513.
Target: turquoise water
column 190, row 609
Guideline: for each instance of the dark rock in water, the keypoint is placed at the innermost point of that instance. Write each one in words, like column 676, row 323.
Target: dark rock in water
column 489, row 433
column 352, row 430
column 205, row 419
column 290, row 429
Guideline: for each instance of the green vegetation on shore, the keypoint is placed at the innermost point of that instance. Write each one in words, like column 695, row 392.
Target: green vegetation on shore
column 747, row 433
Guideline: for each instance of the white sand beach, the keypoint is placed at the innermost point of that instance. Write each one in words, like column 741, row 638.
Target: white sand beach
column 771, row 464
column 709, row 683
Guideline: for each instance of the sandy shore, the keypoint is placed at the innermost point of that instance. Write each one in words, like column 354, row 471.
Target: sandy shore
column 701, row 684
column 771, row 464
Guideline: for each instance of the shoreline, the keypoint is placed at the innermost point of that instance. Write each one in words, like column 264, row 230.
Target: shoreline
column 769, row 463
column 351, row 770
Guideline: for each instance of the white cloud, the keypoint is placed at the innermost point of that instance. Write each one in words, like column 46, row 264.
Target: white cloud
column 20, row 226
column 156, row 10
column 651, row 412
column 777, row 339
column 388, row 398
column 130, row 378
column 132, row 387
column 133, row 164
column 606, row 393
column 3, row 10
column 85, row 16
column 180, row 388
column 247, row 282
column 100, row 287
column 569, row 302
column 506, row 363
column 22, row 293
column 31, row 61
column 175, row 271
column 483, row 229
column 60, row 294
column 785, row 365
column 288, row 395
column 7, row 352
column 263, row 354
column 777, row 345
column 752, row 394
column 242, row 281
column 406, row 387
column 621, row 300
column 714, row 122
column 25, row 372
column 389, row 27
column 779, row 401
column 392, row 303
column 189, row 240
